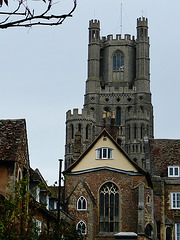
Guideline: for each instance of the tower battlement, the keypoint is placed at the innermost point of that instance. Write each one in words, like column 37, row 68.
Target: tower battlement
column 75, row 115
column 142, row 22
column 118, row 37
column 94, row 23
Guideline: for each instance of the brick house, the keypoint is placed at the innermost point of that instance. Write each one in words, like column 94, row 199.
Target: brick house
column 165, row 172
column 15, row 165
column 107, row 192
column 14, row 157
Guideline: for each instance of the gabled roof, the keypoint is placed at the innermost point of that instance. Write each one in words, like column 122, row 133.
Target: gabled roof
column 12, row 138
column 88, row 190
column 104, row 133
column 164, row 153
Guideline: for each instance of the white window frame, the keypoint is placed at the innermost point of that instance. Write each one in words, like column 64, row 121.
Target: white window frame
column 174, row 200
column 102, row 153
column 173, row 169
column 39, row 226
column 82, row 198
column 176, row 231
column 82, row 222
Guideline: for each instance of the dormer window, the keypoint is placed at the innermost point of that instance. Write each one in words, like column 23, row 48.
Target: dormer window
column 173, row 171
column 104, row 153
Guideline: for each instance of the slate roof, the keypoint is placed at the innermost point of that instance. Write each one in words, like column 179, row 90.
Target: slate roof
column 164, row 153
column 12, row 133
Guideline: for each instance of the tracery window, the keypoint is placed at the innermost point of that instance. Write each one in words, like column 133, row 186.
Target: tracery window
column 82, row 203
column 118, row 61
column 81, row 227
column 109, row 208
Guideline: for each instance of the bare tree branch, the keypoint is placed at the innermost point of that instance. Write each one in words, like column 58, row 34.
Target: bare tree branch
column 24, row 16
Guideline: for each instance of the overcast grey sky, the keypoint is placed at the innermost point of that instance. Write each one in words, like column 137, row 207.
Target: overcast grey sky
column 43, row 71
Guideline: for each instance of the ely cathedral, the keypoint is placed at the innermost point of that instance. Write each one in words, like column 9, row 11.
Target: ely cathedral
column 120, row 182
column 117, row 93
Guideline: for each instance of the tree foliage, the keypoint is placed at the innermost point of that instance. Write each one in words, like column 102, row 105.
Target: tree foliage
column 17, row 219
column 27, row 13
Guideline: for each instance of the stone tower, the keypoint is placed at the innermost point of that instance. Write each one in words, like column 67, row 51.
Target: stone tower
column 117, row 94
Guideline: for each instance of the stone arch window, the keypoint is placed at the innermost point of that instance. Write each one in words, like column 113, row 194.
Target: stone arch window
column 118, row 116
column 87, row 131
column 142, row 131
column 168, row 233
column 72, row 131
column 128, row 132
column 143, row 163
column 148, row 230
column 109, row 208
column 118, row 61
column 147, row 130
column 82, row 203
column 79, row 127
column 81, row 227
column 19, row 175
column 135, row 131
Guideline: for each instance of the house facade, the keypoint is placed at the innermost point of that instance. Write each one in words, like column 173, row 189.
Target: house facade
column 107, row 192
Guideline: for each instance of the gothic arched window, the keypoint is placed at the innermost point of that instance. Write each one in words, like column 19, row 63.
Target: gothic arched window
column 118, row 116
column 81, row 227
column 82, row 203
column 109, row 208
column 72, row 131
column 128, row 132
column 142, row 131
column 87, row 131
column 118, row 61
column 168, row 233
column 148, row 230
column 135, row 131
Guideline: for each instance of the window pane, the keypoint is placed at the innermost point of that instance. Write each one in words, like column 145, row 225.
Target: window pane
column 171, row 171
column 111, row 227
column 104, row 153
column 101, row 207
column 118, row 62
column 109, row 153
column 176, row 171
column 114, row 63
column 111, row 206
column 106, row 206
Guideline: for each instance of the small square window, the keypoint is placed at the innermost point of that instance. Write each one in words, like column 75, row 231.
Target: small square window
column 173, row 171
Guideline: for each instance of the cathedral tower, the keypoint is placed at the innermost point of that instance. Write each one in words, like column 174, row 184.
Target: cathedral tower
column 117, row 94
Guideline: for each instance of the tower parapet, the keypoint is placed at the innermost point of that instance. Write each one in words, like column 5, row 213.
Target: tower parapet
column 81, row 125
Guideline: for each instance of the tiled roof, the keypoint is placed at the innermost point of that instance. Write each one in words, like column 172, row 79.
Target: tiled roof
column 164, row 153
column 11, row 135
